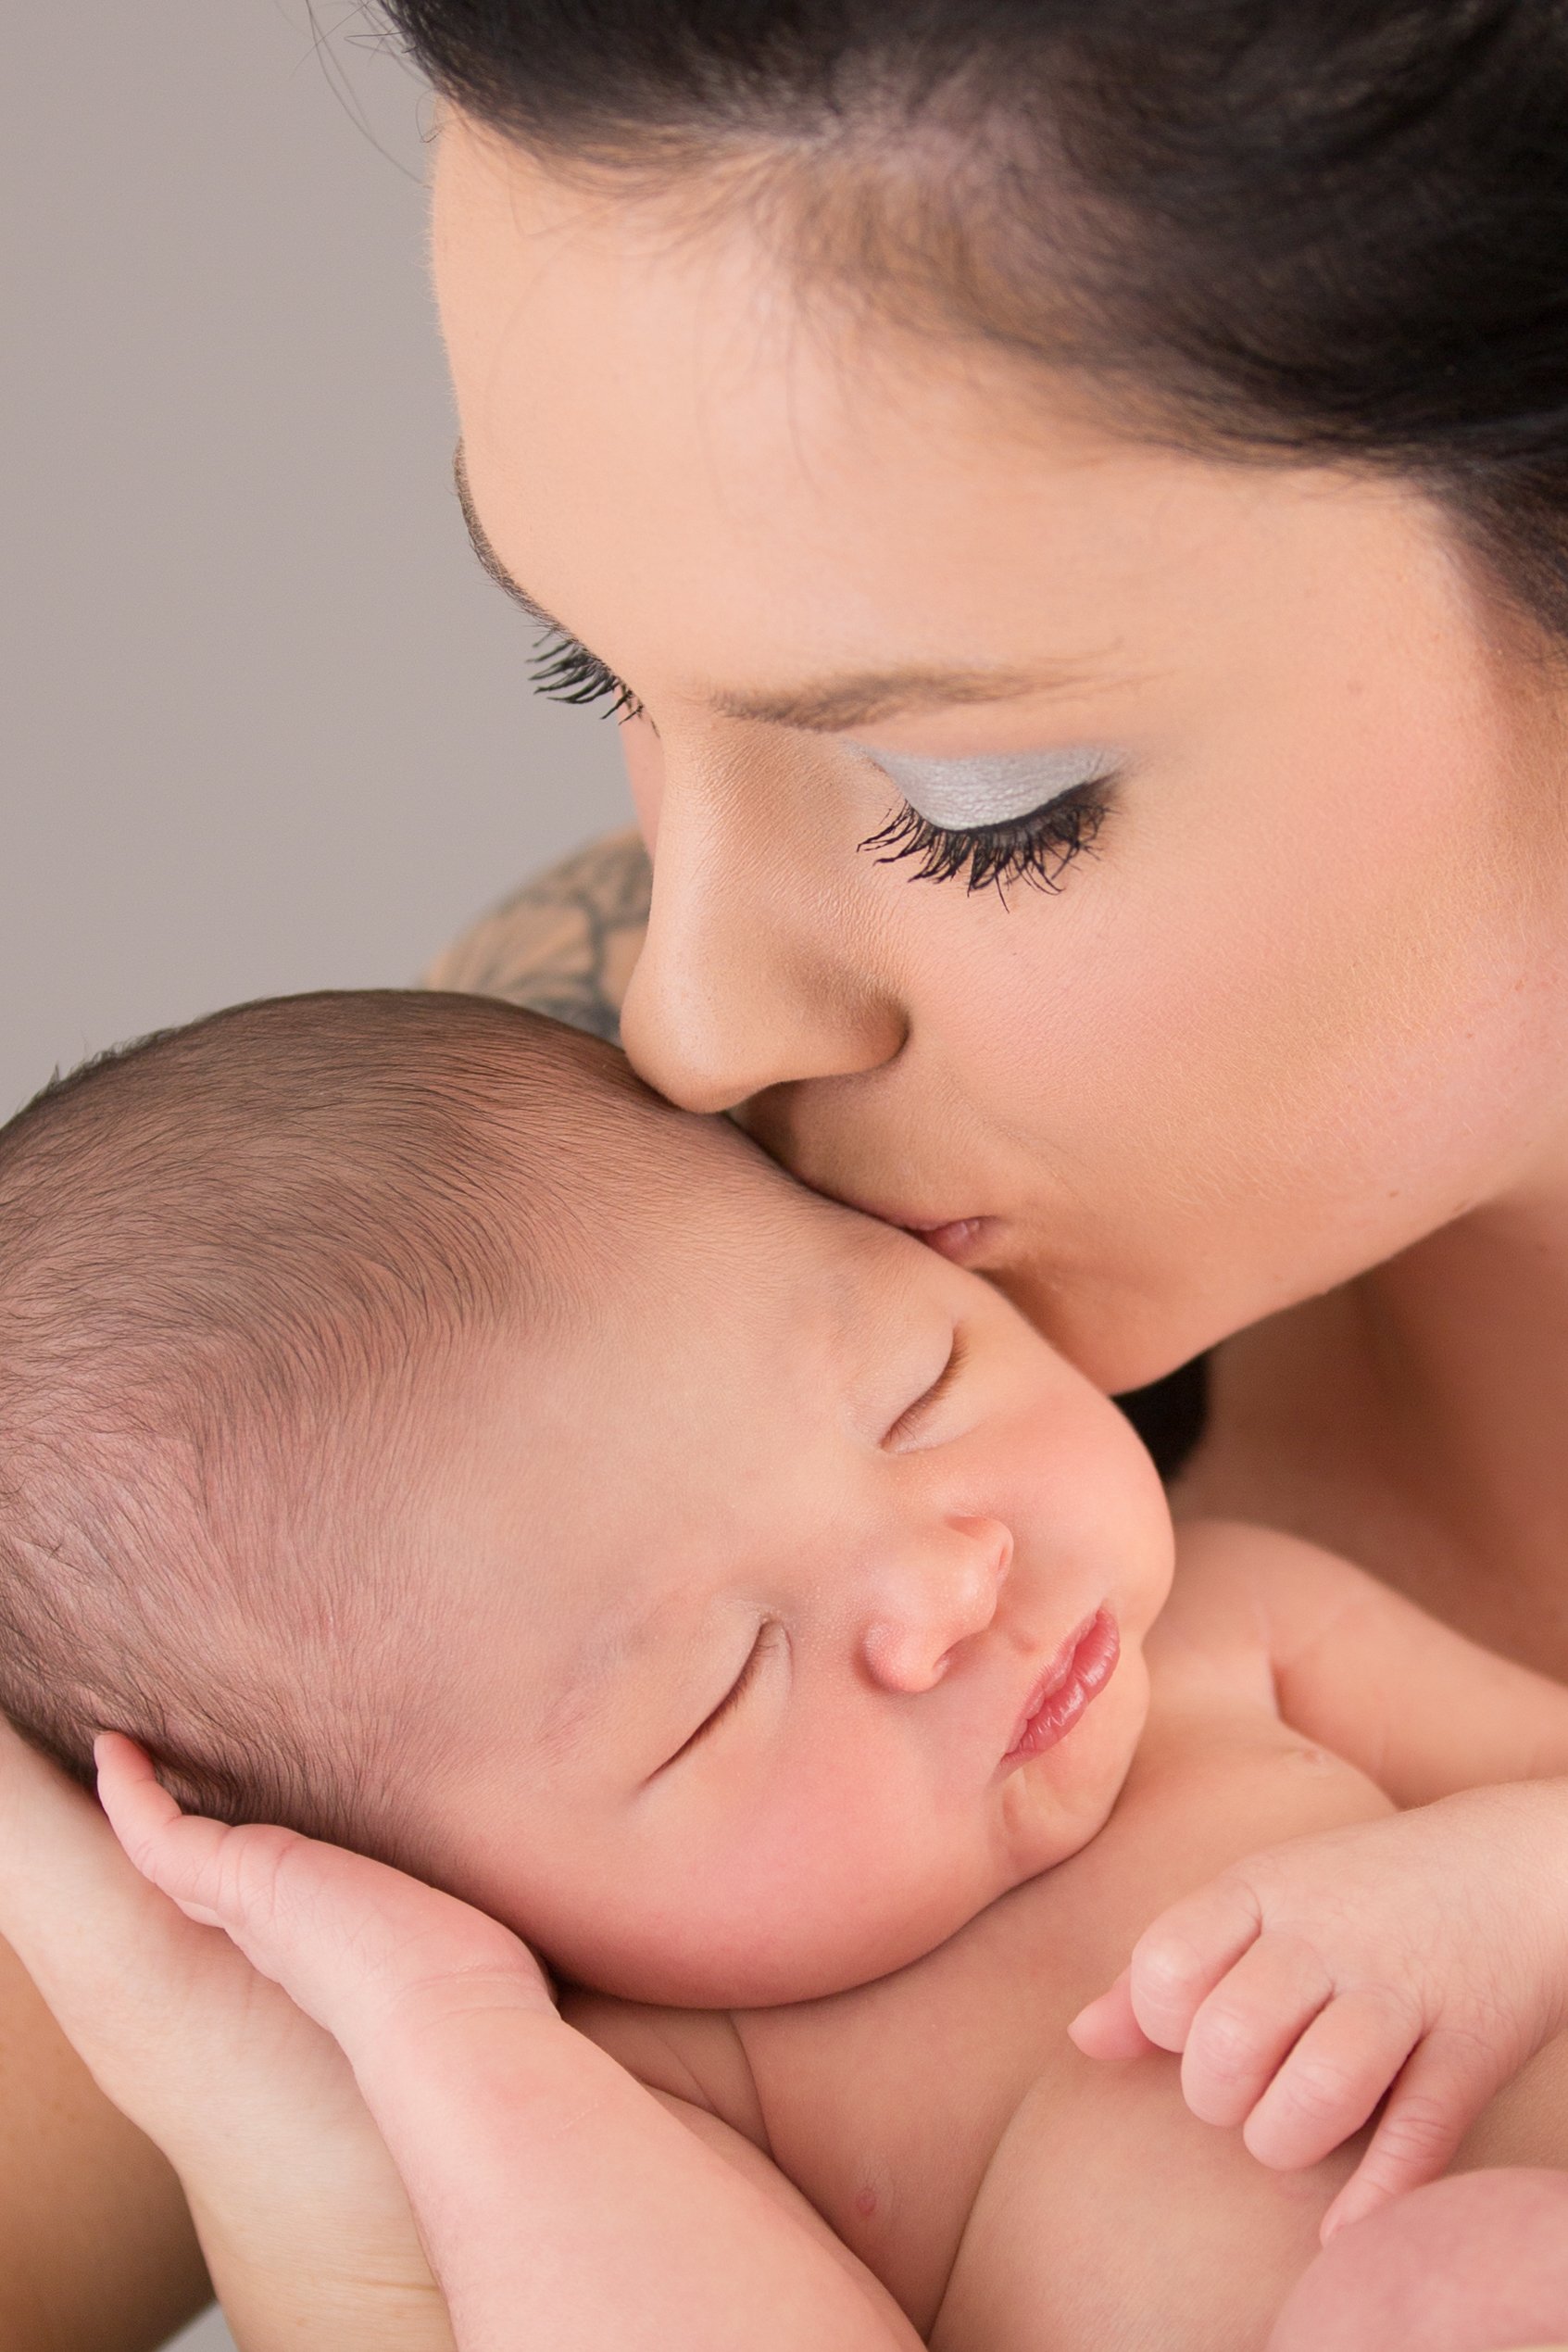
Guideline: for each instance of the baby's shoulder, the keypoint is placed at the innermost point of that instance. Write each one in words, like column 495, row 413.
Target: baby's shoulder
column 695, row 2063
column 695, row 2054
column 1243, row 1596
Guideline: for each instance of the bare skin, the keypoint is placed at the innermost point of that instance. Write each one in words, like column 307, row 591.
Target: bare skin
column 1354, row 711
column 1284, row 1057
column 97, row 2251
column 1411, row 2276
column 932, row 2138
column 1315, row 1425
column 565, row 943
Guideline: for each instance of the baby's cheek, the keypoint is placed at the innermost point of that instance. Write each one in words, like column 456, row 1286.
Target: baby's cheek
column 849, row 1875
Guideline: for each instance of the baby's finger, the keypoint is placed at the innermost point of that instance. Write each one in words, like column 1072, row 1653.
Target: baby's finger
column 1106, row 2028
column 1332, row 2078
column 1245, row 2030
column 1441, row 2090
column 1179, row 1960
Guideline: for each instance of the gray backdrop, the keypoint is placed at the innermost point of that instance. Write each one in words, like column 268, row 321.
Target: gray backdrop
column 267, row 725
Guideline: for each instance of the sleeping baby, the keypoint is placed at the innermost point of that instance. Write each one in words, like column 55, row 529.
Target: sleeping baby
column 417, row 1437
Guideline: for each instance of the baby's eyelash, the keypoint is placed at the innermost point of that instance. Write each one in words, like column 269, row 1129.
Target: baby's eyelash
column 731, row 1698
column 738, row 1689
column 914, row 1415
column 1036, row 848
column 568, row 672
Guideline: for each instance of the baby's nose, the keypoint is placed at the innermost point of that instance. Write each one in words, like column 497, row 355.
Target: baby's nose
column 934, row 1602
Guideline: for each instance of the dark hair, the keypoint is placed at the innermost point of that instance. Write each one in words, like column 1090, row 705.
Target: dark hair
column 1303, row 229
column 234, row 1260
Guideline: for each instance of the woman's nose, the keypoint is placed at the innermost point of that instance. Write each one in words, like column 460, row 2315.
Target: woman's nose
column 754, row 971
column 935, row 1600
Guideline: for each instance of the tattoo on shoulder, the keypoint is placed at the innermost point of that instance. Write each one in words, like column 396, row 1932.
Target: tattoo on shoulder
column 565, row 944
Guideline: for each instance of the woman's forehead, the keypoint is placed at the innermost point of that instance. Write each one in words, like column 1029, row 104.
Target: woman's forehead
column 740, row 516
column 617, row 391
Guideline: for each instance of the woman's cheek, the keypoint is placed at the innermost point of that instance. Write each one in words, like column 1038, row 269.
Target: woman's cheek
column 644, row 756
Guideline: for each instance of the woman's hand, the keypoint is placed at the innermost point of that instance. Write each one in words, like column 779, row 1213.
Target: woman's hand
column 1423, row 1959
column 302, row 2216
column 358, row 1945
column 564, row 2203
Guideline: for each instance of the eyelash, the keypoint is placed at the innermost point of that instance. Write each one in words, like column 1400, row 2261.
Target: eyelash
column 568, row 672
column 736, row 1692
column 738, row 1688
column 1036, row 848
column 913, row 1416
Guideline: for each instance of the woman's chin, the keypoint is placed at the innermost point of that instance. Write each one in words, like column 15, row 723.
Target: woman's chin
column 1118, row 1337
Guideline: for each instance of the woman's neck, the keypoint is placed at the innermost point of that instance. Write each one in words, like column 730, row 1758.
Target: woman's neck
column 1417, row 1420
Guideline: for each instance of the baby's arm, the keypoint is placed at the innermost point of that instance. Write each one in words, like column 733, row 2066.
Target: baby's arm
column 1428, row 1952
column 1366, row 1674
column 561, row 2202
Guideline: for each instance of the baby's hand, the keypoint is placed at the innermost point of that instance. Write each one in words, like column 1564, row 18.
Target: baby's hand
column 1428, row 1953
column 358, row 1945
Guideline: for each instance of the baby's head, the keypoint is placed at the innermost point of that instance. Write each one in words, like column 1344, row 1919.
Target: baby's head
column 414, row 1430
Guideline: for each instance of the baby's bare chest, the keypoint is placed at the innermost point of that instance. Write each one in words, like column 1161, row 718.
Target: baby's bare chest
column 1012, row 2195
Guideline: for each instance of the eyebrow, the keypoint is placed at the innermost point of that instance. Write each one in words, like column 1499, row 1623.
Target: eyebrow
column 861, row 697
column 833, row 705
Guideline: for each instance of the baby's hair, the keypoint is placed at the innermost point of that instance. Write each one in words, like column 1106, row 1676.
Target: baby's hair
column 236, row 1261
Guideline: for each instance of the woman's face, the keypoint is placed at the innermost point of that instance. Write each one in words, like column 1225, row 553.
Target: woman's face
column 1294, row 1003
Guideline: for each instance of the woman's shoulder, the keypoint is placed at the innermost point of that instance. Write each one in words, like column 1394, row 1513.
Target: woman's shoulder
column 565, row 943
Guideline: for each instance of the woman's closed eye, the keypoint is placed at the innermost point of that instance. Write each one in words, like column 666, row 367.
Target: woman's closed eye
column 1037, row 849
column 567, row 671
column 1014, row 817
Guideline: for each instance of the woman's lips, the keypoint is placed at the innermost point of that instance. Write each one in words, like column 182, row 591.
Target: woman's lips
column 1079, row 1671
column 959, row 1237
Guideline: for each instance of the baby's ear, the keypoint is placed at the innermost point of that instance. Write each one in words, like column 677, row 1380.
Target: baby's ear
column 1107, row 2029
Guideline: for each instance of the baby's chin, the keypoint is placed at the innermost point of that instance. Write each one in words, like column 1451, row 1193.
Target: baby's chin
column 1054, row 1805
column 774, row 1980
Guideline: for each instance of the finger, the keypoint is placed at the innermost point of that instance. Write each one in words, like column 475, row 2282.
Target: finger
column 236, row 1879
column 181, row 1853
column 74, row 1907
column 346, row 1937
column 1440, row 2092
column 1246, row 2029
column 1106, row 2028
column 1179, row 1960
column 1332, row 2078
column 138, row 1806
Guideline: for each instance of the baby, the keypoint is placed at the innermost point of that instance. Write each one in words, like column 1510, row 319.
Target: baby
column 414, row 1433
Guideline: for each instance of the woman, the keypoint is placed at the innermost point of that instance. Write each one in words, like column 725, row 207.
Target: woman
column 1070, row 503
